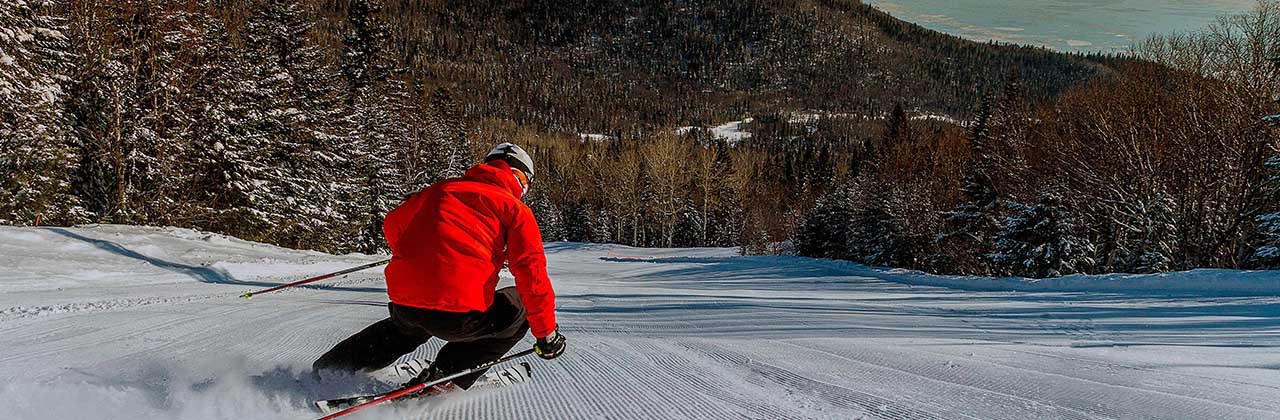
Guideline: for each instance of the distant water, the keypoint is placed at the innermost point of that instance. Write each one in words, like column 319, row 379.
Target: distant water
column 1065, row 25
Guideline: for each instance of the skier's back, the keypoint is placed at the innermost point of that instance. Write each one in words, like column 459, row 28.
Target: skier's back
column 448, row 243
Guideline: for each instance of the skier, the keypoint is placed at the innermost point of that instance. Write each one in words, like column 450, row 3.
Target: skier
column 448, row 243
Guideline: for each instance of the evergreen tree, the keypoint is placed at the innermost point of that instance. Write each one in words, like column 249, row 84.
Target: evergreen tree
column 377, row 98
column 548, row 215
column 1266, row 252
column 1040, row 241
column 379, row 185
column 598, row 224
column 969, row 228
column 827, row 230
column 577, row 223
column 877, row 238
column 238, row 138
column 35, row 131
column 437, row 147
column 451, row 135
column 897, row 129
column 297, row 111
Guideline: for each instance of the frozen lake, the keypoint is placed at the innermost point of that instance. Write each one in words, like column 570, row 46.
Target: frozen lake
column 1066, row 25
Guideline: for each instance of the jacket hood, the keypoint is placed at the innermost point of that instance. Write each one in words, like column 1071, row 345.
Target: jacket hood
column 495, row 173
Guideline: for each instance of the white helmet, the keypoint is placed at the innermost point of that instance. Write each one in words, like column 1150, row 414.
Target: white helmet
column 513, row 155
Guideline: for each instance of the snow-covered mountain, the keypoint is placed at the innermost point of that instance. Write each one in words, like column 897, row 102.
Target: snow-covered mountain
column 133, row 322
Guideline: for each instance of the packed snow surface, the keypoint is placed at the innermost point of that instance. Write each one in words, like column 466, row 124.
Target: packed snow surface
column 131, row 322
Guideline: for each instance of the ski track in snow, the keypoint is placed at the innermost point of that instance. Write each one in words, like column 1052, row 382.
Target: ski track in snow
column 653, row 334
column 21, row 312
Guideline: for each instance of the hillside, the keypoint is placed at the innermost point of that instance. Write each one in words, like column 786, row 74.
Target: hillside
column 302, row 122
column 136, row 322
column 618, row 65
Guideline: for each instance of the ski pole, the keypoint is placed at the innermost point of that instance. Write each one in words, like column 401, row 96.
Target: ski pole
column 248, row 295
column 415, row 388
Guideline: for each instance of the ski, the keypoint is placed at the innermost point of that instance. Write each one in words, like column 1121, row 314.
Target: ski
column 339, row 404
column 505, row 377
column 401, row 372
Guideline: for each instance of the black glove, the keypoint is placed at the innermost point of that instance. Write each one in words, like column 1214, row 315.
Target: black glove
column 551, row 346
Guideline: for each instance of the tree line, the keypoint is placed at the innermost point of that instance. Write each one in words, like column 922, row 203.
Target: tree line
column 300, row 122
column 230, row 119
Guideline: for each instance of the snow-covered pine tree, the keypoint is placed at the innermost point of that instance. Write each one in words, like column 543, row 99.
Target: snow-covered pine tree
column 897, row 129
column 600, row 222
column 238, row 138
column 169, row 76
column 378, row 184
column 1266, row 252
column 377, row 98
column 452, row 132
column 297, row 111
column 827, row 230
column 437, row 147
column 100, row 79
column 876, row 238
column 575, row 221
column 581, row 221
column 548, row 215
column 35, row 131
column 965, row 242
column 1040, row 241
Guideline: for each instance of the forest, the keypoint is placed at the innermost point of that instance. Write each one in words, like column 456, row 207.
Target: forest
column 302, row 122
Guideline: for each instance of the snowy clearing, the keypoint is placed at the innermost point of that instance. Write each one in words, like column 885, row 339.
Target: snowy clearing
column 731, row 132
column 595, row 137
column 131, row 322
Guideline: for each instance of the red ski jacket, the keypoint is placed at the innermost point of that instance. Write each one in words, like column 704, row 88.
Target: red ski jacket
column 449, row 241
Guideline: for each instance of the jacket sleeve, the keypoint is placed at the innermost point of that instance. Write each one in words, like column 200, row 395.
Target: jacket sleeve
column 528, row 262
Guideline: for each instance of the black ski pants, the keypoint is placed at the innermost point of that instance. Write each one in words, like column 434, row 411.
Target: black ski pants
column 473, row 338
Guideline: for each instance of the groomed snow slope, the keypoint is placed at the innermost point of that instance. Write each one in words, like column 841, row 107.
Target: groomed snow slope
column 130, row 322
